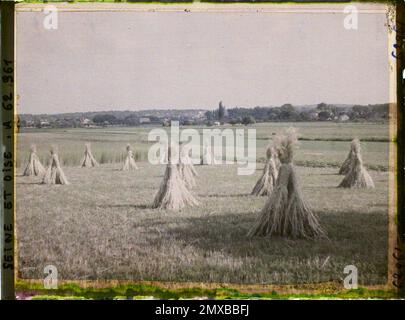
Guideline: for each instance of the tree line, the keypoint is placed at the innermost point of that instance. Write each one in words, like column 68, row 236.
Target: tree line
column 235, row 115
column 288, row 112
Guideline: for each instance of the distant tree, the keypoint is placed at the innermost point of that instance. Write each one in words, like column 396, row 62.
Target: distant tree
column 361, row 112
column 322, row 107
column 131, row 120
column 221, row 111
column 215, row 114
column 236, row 120
column 154, row 119
column 379, row 111
column 287, row 107
column 187, row 122
column 379, row 108
column 248, row 120
column 105, row 118
column 260, row 113
column 330, row 109
column 274, row 114
column 288, row 113
column 324, row 115
column 209, row 115
column 305, row 116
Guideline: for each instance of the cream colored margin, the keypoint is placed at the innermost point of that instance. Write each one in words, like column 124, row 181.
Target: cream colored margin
column 207, row 7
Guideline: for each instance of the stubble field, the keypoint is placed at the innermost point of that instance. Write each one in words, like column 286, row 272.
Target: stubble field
column 101, row 226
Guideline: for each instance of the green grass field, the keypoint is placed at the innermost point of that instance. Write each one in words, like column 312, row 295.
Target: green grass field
column 322, row 144
column 102, row 227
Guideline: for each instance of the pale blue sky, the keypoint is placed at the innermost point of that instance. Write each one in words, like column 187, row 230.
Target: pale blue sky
column 131, row 60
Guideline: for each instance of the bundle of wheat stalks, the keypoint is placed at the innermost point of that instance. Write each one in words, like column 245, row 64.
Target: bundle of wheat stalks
column 207, row 154
column 34, row 166
column 345, row 167
column 286, row 213
column 88, row 160
column 129, row 162
column 186, row 167
column 54, row 174
column 356, row 174
column 173, row 193
column 267, row 181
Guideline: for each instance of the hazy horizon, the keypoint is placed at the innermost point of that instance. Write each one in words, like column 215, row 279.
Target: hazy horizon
column 338, row 105
column 177, row 60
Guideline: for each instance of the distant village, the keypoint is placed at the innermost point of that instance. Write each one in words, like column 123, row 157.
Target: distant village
column 218, row 116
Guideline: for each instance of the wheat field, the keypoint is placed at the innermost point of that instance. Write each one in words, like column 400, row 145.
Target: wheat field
column 101, row 226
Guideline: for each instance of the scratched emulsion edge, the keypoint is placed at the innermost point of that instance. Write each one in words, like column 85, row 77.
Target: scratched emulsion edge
column 113, row 288
column 399, row 255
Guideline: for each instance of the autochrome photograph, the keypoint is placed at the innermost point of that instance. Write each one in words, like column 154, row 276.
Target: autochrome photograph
column 228, row 144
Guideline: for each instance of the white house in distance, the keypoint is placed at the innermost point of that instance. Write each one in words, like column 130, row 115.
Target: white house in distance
column 45, row 123
column 344, row 117
column 144, row 120
column 85, row 122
